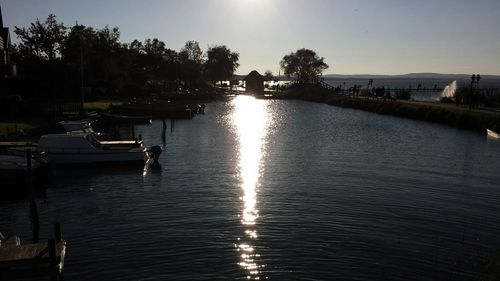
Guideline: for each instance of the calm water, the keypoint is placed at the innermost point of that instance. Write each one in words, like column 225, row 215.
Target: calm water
column 282, row 190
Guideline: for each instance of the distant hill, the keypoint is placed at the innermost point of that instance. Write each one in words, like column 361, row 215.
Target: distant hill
column 409, row 76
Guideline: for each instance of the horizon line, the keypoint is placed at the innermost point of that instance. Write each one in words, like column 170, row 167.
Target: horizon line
column 403, row 74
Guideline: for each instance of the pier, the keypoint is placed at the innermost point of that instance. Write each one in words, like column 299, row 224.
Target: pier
column 35, row 261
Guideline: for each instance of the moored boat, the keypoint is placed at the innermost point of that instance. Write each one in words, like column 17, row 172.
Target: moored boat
column 116, row 118
column 84, row 148
column 159, row 109
column 156, row 110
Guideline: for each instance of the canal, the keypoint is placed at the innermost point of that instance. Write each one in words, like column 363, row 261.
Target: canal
column 281, row 190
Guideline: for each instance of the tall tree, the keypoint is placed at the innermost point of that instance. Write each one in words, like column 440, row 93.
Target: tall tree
column 192, row 52
column 268, row 75
column 154, row 59
column 154, row 47
column 43, row 40
column 304, row 65
column 136, row 46
column 221, row 63
column 105, row 60
column 190, row 63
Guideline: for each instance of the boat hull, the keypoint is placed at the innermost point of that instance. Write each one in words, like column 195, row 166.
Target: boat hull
column 126, row 157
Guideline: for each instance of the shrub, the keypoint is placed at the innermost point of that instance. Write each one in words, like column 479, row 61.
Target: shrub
column 403, row 94
column 446, row 100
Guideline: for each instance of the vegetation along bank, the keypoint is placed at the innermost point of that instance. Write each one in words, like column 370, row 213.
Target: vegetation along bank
column 461, row 117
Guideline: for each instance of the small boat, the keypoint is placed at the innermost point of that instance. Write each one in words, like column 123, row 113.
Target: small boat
column 492, row 134
column 116, row 118
column 85, row 148
column 159, row 109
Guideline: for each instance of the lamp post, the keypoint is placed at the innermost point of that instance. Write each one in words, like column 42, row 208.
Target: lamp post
column 474, row 80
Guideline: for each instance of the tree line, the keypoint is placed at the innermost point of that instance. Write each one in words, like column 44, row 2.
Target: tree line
column 57, row 61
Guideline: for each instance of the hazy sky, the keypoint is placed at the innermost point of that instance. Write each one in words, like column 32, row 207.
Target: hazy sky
column 354, row 36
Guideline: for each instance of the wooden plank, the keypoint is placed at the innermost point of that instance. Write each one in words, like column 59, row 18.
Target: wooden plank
column 15, row 143
column 29, row 252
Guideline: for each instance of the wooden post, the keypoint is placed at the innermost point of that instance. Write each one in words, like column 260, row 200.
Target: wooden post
column 163, row 133
column 57, row 232
column 35, row 224
column 28, row 164
column 54, row 268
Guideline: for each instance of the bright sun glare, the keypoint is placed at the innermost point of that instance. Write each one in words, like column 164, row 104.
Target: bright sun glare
column 250, row 121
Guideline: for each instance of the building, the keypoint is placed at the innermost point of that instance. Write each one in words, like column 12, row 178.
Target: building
column 4, row 43
column 254, row 83
column 7, row 68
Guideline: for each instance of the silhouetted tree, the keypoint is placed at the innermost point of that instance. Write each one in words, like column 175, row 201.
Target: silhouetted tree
column 154, row 47
column 304, row 66
column 221, row 63
column 38, row 58
column 136, row 46
column 268, row 76
column 42, row 40
column 51, row 58
column 106, row 61
column 190, row 62
column 154, row 59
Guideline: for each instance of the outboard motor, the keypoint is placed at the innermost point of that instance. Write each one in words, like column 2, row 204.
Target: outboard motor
column 156, row 152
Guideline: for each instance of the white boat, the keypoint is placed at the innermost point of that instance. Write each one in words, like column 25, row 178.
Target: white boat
column 492, row 134
column 84, row 148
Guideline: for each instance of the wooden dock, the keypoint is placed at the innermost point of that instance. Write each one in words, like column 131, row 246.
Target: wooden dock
column 38, row 261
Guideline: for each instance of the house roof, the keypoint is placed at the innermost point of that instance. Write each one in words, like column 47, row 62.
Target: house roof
column 254, row 75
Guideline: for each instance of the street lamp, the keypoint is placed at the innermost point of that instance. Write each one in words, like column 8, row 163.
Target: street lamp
column 474, row 80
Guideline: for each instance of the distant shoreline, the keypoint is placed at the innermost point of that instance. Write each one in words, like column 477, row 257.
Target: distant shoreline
column 460, row 117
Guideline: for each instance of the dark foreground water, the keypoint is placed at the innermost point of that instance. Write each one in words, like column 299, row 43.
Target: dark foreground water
column 282, row 190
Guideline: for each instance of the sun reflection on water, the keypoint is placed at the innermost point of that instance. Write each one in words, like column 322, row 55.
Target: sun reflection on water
column 250, row 120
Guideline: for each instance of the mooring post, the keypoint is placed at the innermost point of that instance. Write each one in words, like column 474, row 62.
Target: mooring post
column 163, row 133
column 54, row 267
column 28, row 164
column 57, row 232
column 35, row 224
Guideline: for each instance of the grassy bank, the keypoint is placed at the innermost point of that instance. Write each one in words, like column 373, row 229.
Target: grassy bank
column 9, row 128
column 100, row 105
column 34, row 114
column 477, row 120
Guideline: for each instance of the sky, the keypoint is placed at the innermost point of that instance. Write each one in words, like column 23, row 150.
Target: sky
column 353, row 36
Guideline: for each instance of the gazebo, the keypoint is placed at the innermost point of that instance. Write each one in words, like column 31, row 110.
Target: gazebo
column 254, row 83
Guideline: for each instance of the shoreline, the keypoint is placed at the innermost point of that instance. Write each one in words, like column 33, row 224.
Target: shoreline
column 456, row 116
